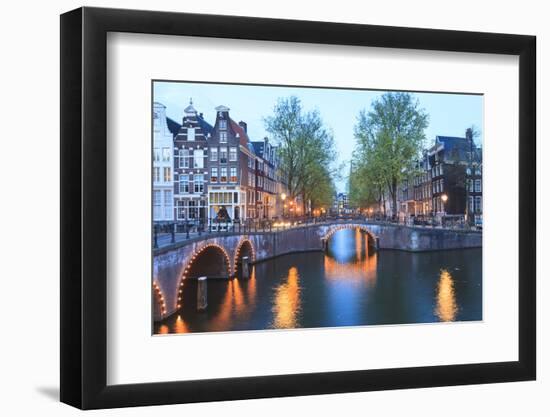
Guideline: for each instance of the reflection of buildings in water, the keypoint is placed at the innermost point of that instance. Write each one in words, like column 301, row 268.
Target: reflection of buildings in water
column 446, row 307
column 239, row 299
column 287, row 302
column 361, row 268
column 180, row 326
column 163, row 329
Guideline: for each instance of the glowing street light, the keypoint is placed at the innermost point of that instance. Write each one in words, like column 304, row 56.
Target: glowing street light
column 444, row 198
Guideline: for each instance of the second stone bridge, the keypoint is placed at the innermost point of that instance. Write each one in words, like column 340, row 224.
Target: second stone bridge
column 220, row 256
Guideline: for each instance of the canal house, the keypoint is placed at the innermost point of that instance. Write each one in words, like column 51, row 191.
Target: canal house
column 164, row 129
column 455, row 168
column 231, row 162
column 190, row 168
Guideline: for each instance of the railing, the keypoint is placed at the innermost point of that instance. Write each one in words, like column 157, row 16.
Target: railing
column 169, row 233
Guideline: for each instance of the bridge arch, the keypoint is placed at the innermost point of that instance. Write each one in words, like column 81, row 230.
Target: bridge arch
column 331, row 230
column 211, row 260
column 244, row 248
column 159, row 303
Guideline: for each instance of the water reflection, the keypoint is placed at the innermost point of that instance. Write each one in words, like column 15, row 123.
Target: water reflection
column 286, row 302
column 446, row 307
column 346, row 286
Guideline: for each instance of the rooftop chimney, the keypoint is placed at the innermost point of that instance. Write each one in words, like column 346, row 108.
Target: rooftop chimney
column 243, row 125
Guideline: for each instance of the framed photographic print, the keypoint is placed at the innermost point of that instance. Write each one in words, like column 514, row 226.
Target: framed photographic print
column 257, row 207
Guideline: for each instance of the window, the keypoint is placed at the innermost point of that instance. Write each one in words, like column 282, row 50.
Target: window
column 184, row 158
column 223, row 124
column 214, row 175
column 478, row 171
column 223, row 174
column 233, row 153
column 223, row 137
column 468, row 171
column 191, row 134
column 180, row 210
column 156, row 174
column 168, row 204
column 223, row 155
column 166, row 154
column 471, row 204
column 156, row 204
column 199, row 183
column 478, row 207
column 478, row 186
column 213, row 154
column 470, row 185
column 233, row 174
column 167, row 174
column 184, row 183
column 193, row 210
column 198, row 158
column 156, row 154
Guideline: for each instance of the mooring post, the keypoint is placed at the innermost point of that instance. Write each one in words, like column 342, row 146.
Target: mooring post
column 245, row 267
column 202, row 297
column 173, row 233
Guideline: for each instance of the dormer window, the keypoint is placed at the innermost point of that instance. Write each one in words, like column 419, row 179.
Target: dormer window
column 190, row 133
column 223, row 124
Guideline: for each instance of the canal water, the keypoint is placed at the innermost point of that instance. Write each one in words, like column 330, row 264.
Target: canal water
column 347, row 286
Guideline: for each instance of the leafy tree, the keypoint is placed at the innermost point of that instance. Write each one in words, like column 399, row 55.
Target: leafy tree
column 389, row 139
column 306, row 151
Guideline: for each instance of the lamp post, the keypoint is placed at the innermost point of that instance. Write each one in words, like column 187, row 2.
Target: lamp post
column 444, row 198
column 283, row 197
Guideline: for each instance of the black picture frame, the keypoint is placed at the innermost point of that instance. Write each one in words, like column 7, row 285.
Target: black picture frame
column 84, row 207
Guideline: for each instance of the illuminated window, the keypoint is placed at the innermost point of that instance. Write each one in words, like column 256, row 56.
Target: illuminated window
column 233, row 174
column 167, row 174
column 223, row 174
column 214, row 175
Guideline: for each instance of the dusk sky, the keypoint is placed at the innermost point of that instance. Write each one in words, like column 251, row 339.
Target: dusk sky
column 449, row 114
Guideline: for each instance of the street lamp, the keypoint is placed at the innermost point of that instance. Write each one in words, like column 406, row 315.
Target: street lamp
column 444, row 198
column 283, row 197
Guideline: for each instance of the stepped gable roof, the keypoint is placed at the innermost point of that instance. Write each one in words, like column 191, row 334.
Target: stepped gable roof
column 204, row 125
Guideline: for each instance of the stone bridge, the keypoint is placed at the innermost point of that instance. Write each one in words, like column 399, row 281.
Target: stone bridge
column 220, row 255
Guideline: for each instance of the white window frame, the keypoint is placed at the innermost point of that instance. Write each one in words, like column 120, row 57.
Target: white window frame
column 190, row 134
column 198, row 158
column 198, row 183
column 183, row 182
column 214, row 154
column 183, row 158
column 233, row 153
